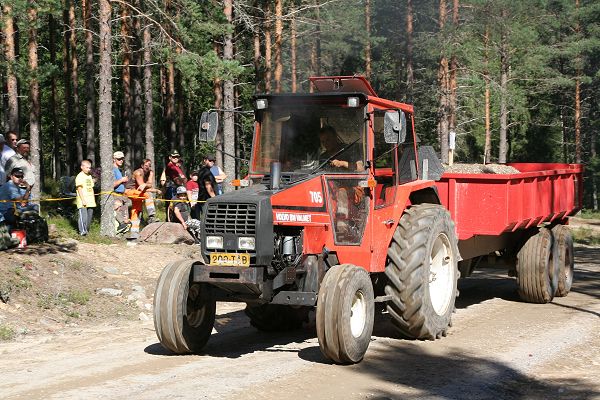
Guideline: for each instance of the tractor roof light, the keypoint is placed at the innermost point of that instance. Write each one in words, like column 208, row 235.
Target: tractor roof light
column 261, row 104
column 353, row 102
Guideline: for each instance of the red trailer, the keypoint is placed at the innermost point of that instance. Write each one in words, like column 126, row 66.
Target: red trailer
column 344, row 209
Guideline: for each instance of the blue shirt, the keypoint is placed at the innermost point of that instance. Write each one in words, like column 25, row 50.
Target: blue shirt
column 118, row 175
column 10, row 191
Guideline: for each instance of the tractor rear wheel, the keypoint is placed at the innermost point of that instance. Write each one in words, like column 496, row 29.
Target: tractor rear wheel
column 276, row 317
column 563, row 242
column 184, row 312
column 537, row 268
column 345, row 313
column 422, row 272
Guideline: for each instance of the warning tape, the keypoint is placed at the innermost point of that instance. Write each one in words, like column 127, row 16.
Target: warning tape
column 42, row 200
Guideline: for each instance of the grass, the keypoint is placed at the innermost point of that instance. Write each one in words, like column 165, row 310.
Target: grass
column 7, row 333
column 586, row 236
column 589, row 214
column 67, row 228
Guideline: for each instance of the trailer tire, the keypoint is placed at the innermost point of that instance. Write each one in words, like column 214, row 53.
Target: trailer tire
column 563, row 242
column 423, row 249
column 345, row 313
column 184, row 312
column 276, row 317
column 537, row 268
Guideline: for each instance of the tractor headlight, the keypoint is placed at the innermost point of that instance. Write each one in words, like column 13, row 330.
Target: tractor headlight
column 246, row 243
column 214, row 242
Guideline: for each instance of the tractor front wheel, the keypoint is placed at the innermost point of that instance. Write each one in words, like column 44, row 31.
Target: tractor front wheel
column 184, row 312
column 345, row 313
column 422, row 272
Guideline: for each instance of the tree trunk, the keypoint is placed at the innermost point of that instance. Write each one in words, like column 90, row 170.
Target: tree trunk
column 170, row 115
column 504, row 66
column 315, row 51
column 443, row 85
column 293, row 51
column 56, row 168
column 69, row 155
column 578, row 74
column 452, row 85
column 105, row 119
column 126, row 84
column 268, row 66
column 368, row 40
column 34, row 92
column 11, row 77
column 487, row 150
column 278, row 35
column 228, row 103
column 74, row 79
column 409, row 52
column 136, row 81
column 256, row 61
column 90, row 89
column 148, row 107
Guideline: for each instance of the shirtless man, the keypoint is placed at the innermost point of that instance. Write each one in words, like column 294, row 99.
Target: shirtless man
column 138, row 189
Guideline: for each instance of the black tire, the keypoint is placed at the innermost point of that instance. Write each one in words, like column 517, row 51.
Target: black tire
column 419, row 308
column 537, row 268
column 276, row 317
column 345, row 313
column 184, row 314
column 563, row 242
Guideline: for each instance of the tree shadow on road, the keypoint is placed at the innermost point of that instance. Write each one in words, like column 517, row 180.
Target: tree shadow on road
column 235, row 338
column 50, row 247
column 451, row 376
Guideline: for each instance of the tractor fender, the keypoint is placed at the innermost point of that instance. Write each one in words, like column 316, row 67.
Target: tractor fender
column 426, row 195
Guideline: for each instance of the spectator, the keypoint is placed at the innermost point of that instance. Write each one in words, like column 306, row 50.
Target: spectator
column 192, row 193
column 11, row 139
column 206, row 180
column 86, row 201
column 220, row 177
column 138, row 189
column 16, row 194
column 5, row 153
column 21, row 160
column 121, row 204
column 182, row 213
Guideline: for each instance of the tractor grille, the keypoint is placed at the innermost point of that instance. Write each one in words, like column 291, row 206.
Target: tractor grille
column 237, row 219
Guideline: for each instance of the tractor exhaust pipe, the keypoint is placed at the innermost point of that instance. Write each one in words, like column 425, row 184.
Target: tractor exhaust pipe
column 275, row 175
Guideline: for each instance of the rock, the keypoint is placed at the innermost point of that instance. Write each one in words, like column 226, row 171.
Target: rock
column 110, row 292
column 138, row 288
column 136, row 296
column 166, row 233
column 111, row 270
column 143, row 317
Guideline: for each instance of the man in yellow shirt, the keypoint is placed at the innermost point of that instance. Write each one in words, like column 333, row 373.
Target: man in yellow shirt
column 85, row 197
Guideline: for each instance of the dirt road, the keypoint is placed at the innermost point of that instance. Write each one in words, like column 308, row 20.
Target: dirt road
column 497, row 348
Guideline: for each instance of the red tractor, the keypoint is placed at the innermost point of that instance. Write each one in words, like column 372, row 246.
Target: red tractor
column 344, row 211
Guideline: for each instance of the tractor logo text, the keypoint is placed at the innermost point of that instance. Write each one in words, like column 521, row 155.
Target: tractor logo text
column 290, row 217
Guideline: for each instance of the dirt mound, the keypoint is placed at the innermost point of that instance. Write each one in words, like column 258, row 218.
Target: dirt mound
column 49, row 286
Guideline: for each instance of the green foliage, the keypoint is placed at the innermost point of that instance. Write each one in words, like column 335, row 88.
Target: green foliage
column 7, row 333
column 586, row 236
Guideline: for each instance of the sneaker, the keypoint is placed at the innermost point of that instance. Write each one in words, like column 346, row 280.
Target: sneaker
column 123, row 227
column 152, row 219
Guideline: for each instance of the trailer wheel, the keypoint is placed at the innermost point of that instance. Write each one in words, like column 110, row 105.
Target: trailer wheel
column 422, row 272
column 563, row 242
column 537, row 268
column 184, row 312
column 276, row 317
column 345, row 313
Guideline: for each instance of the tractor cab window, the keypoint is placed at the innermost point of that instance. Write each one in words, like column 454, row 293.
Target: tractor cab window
column 384, row 161
column 309, row 134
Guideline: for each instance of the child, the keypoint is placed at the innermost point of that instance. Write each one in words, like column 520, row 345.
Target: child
column 182, row 212
column 192, row 194
column 85, row 200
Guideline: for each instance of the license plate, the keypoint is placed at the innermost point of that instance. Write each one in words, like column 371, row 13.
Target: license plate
column 230, row 259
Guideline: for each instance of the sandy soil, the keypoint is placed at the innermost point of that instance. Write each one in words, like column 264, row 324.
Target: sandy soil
column 498, row 346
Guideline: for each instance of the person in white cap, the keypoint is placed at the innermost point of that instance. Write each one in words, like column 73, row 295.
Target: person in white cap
column 121, row 204
column 21, row 160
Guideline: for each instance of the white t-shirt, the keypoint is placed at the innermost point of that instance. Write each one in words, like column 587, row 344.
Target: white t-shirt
column 7, row 153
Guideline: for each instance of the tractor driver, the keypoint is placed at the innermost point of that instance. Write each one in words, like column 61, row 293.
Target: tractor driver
column 331, row 143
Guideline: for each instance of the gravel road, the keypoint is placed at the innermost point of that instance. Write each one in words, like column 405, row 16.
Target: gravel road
column 498, row 348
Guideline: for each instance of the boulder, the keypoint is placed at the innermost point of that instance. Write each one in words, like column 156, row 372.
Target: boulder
column 165, row 232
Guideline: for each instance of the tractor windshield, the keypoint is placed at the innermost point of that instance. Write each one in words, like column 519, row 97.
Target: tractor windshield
column 309, row 134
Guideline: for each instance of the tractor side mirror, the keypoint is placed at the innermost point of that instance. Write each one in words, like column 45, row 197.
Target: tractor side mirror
column 209, row 125
column 394, row 127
